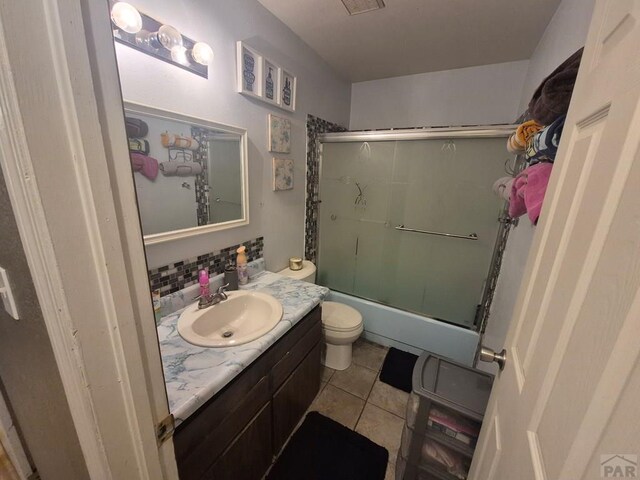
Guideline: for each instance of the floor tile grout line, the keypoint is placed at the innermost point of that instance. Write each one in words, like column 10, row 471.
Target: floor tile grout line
column 359, row 417
column 367, row 367
column 347, row 391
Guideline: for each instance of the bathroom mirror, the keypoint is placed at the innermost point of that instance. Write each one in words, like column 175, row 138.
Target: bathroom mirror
column 190, row 174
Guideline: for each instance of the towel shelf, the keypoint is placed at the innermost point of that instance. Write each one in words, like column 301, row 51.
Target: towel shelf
column 471, row 236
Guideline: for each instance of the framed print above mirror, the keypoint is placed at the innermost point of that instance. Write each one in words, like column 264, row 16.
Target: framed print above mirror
column 260, row 78
column 190, row 173
column 249, row 74
column 271, row 82
column 287, row 91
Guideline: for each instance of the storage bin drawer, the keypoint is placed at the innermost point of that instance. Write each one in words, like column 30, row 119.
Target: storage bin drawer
column 424, row 472
column 443, row 422
column 440, row 454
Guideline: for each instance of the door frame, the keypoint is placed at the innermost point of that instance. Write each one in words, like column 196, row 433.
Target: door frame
column 93, row 291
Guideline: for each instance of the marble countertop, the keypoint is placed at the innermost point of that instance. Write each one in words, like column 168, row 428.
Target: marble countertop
column 195, row 374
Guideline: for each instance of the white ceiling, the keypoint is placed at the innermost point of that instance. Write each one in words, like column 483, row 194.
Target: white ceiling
column 416, row 36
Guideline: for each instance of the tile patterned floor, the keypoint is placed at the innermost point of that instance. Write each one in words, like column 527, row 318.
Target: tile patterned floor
column 356, row 398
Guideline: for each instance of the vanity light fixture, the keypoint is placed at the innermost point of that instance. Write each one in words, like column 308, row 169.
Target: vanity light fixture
column 145, row 34
column 126, row 17
column 179, row 54
column 202, row 53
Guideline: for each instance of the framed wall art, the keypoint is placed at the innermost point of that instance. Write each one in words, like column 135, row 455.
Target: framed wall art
column 279, row 134
column 249, row 71
column 288, row 89
column 261, row 78
column 271, row 82
column 282, row 174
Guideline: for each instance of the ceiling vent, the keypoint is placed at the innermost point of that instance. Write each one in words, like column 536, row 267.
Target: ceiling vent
column 354, row 7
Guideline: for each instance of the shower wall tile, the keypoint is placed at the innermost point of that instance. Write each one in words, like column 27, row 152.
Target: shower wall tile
column 201, row 155
column 315, row 127
column 184, row 273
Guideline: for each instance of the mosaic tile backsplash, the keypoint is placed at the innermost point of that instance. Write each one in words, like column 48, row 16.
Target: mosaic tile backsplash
column 315, row 126
column 184, row 273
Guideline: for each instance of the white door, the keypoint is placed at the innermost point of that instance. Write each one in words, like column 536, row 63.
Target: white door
column 566, row 404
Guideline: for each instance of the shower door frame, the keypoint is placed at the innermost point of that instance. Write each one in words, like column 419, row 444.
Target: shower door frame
column 431, row 133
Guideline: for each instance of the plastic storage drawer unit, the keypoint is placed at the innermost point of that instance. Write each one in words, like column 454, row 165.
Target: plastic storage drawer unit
column 444, row 415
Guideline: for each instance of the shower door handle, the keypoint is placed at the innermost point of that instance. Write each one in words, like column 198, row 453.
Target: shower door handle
column 471, row 236
column 489, row 355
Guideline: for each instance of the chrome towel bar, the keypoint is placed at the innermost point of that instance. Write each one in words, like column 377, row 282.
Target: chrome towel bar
column 471, row 236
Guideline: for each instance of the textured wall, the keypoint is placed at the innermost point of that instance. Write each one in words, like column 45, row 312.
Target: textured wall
column 28, row 371
column 466, row 96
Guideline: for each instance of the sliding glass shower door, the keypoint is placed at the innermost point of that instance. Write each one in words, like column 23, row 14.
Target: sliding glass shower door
column 373, row 194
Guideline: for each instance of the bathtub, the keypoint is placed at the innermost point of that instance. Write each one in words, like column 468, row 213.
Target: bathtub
column 411, row 332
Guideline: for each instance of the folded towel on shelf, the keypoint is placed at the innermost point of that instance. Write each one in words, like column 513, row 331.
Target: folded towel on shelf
column 502, row 187
column 543, row 147
column 172, row 140
column 147, row 166
column 528, row 190
column 180, row 169
column 138, row 145
column 136, row 127
column 551, row 99
column 517, row 143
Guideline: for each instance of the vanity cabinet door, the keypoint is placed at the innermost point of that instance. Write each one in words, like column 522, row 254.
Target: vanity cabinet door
column 250, row 454
column 296, row 353
column 199, row 444
column 294, row 397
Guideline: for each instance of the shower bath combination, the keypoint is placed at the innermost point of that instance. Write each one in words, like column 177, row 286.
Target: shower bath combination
column 420, row 237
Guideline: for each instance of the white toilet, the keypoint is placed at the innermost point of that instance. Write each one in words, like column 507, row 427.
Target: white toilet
column 341, row 324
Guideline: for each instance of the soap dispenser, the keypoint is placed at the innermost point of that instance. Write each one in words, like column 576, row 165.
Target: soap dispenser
column 203, row 280
column 241, row 265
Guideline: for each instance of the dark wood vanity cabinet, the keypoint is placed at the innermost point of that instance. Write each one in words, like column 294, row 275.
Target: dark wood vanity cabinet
column 236, row 434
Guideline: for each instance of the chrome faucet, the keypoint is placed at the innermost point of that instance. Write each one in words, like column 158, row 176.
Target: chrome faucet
column 213, row 299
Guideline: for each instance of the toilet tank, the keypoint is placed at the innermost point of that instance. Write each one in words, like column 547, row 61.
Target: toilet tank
column 307, row 274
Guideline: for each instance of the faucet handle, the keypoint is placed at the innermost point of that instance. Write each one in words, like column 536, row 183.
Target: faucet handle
column 222, row 290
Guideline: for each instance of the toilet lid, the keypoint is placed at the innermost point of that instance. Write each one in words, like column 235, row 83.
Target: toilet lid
column 340, row 317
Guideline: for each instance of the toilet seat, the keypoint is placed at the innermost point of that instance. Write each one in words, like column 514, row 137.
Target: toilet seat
column 338, row 317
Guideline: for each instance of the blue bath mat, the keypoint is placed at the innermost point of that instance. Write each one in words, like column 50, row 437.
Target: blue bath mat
column 397, row 369
column 322, row 449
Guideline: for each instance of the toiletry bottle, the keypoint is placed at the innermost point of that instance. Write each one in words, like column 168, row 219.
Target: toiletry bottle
column 231, row 277
column 203, row 280
column 241, row 265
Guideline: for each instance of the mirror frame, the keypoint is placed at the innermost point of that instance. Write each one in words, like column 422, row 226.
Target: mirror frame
column 155, row 238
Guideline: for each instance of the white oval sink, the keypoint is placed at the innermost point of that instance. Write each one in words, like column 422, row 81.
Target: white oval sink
column 243, row 317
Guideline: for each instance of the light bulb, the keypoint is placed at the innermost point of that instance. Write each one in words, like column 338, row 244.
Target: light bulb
column 202, row 53
column 169, row 37
column 126, row 17
column 179, row 54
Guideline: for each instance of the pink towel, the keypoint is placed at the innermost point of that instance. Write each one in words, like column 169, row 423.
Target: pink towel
column 147, row 166
column 528, row 189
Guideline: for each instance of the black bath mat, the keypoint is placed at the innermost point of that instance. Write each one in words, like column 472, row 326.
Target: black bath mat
column 397, row 369
column 322, row 449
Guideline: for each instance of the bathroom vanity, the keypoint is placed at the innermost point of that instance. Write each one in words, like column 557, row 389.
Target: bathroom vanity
column 236, row 434
column 235, row 407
